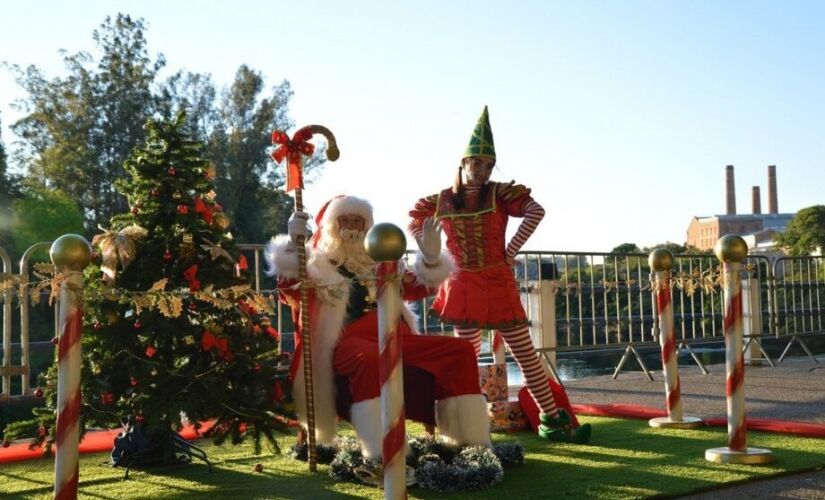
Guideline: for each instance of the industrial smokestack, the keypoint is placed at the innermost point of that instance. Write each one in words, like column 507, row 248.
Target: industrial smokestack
column 730, row 191
column 773, row 203
column 757, row 201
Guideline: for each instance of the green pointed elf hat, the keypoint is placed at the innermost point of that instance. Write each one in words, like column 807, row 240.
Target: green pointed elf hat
column 481, row 144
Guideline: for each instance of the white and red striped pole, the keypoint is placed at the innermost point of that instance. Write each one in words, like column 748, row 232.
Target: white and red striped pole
column 661, row 263
column 386, row 244
column 732, row 251
column 70, row 255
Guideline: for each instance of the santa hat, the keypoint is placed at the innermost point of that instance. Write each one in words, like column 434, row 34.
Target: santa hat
column 340, row 205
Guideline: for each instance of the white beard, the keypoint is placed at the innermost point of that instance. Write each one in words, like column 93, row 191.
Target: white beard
column 348, row 250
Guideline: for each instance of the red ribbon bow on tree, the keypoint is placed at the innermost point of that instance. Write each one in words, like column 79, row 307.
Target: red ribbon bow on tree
column 202, row 209
column 191, row 274
column 209, row 341
column 292, row 149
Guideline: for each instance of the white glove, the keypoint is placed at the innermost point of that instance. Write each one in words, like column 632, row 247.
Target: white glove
column 297, row 226
column 430, row 240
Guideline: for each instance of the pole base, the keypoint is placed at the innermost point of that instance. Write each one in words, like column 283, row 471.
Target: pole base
column 667, row 423
column 748, row 456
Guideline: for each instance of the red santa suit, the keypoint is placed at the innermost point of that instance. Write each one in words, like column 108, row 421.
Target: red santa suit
column 344, row 336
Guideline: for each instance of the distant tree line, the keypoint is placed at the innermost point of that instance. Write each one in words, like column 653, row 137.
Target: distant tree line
column 77, row 129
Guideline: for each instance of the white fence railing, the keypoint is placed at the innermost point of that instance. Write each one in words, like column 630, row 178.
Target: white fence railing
column 576, row 301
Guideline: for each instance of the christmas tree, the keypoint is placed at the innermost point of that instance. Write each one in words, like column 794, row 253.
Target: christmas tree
column 172, row 330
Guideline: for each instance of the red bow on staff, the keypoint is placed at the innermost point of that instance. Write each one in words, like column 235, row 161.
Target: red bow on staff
column 292, row 149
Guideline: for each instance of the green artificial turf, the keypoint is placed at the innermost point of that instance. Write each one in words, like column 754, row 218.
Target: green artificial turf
column 628, row 459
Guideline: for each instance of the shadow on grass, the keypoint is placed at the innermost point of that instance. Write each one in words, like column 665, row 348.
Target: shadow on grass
column 628, row 459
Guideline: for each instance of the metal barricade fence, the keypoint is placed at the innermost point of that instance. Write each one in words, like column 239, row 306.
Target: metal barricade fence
column 798, row 298
column 600, row 301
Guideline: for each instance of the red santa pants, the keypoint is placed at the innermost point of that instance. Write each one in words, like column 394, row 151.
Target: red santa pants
column 451, row 361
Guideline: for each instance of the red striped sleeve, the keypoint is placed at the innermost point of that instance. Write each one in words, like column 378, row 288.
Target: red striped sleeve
column 425, row 207
column 533, row 214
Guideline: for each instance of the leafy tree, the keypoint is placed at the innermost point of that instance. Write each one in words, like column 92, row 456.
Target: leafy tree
column 43, row 215
column 79, row 129
column 181, row 334
column 237, row 129
column 626, row 248
column 9, row 190
column 805, row 233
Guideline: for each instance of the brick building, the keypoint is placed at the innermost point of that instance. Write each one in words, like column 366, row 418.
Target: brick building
column 757, row 228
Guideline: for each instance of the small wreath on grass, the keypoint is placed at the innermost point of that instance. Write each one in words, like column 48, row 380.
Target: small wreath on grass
column 434, row 465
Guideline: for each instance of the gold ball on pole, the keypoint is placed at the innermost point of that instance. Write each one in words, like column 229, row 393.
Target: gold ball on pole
column 731, row 248
column 385, row 242
column 660, row 259
column 71, row 252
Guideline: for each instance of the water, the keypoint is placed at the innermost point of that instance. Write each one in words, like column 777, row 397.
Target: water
column 591, row 363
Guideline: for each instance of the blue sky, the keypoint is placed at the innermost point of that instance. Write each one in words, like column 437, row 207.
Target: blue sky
column 621, row 116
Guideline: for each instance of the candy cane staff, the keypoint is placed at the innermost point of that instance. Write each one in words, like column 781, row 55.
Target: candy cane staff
column 294, row 150
column 70, row 255
column 482, row 293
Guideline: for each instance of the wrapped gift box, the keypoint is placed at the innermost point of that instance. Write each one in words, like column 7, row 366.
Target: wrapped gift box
column 493, row 381
column 506, row 416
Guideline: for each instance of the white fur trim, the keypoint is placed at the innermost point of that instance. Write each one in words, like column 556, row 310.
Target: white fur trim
column 326, row 328
column 463, row 420
column 347, row 205
column 281, row 258
column 366, row 419
column 433, row 276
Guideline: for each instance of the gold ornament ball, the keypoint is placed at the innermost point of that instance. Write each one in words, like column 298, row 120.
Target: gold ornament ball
column 221, row 220
column 660, row 259
column 71, row 252
column 385, row 242
column 731, row 248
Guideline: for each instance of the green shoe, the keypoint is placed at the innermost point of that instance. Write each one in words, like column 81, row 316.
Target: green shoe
column 556, row 435
column 561, row 419
column 581, row 434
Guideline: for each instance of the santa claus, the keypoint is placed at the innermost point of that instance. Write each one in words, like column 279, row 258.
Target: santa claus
column 344, row 332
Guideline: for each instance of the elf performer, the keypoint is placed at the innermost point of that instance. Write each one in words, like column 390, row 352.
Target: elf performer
column 344, row 330
column 482, row 292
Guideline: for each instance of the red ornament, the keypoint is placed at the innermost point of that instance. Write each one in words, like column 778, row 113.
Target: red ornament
column 191, row 274
column 167, row 255
column 258, row 468
column 171, row 171
column 193, row 307
column 133, row 382
column 155, row 192
column 139, row 418
column 202, row 209
column 97, row 326
column 137, row 325
column 183, row 209
column 6, row 443
column 273, row 333
column 106, row 398
column 242, row 427
column 42, row 431
column 38, row 393
column 135, row 210
column 277, row 392
column 150, row 351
